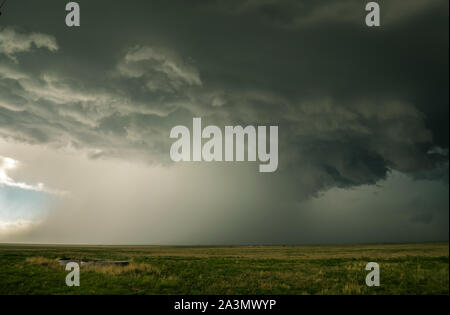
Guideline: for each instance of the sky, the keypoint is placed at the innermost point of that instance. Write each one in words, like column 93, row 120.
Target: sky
column 86, row 114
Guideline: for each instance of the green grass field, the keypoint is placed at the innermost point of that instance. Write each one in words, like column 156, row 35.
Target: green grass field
column 404, row 269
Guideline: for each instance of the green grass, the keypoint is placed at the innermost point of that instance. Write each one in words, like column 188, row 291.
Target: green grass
column 404, row 269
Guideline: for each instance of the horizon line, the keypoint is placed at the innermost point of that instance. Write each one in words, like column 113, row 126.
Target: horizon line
column 222, row 245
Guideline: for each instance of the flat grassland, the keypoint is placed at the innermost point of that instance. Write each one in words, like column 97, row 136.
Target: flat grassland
column 404, row 269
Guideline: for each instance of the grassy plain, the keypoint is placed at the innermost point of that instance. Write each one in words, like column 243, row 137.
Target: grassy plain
column 404, row 269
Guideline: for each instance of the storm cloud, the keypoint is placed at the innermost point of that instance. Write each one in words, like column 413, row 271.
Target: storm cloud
column 355, row 106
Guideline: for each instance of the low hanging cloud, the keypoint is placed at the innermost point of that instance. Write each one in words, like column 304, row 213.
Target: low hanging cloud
column 161, row 70
column 353, row 105
column 13, row 42
column 330, row 132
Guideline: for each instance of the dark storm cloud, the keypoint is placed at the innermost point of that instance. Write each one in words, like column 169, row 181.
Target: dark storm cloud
column 351, row 102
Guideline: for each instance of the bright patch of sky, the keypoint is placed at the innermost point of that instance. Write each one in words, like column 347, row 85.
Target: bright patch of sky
column 21, row 205
column 18, row 204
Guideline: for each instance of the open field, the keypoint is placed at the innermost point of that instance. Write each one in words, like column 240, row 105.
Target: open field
column 404, row 269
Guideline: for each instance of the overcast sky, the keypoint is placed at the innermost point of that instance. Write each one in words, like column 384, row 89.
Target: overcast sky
column 86, row 114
